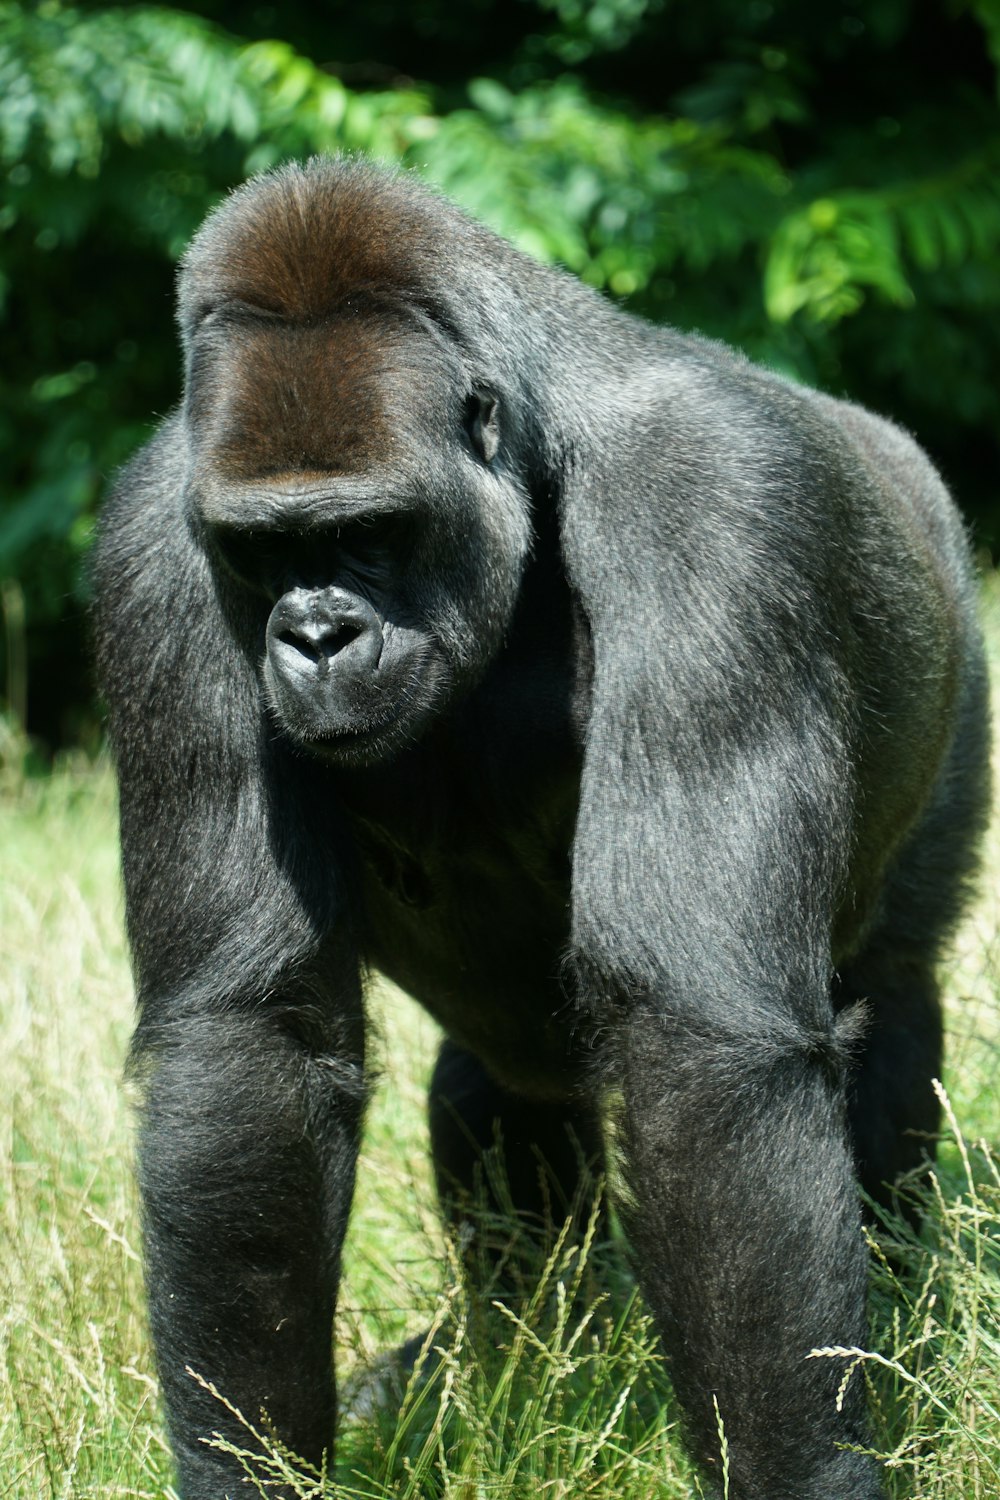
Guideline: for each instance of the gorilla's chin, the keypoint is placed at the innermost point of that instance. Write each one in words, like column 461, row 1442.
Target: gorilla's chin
column 351, row 720
column 362, row 745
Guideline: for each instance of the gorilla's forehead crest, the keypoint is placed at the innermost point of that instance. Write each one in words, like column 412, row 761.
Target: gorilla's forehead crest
column 349, row 259
column 302, row 239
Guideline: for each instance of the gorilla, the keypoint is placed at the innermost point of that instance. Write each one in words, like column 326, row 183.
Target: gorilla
column 621, row 701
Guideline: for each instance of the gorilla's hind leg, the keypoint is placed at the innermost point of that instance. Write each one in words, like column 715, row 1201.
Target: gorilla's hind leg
column 509, row 1170
column 893, row 1110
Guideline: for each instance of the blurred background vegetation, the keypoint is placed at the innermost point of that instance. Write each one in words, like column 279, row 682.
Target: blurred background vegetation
column 819, row 184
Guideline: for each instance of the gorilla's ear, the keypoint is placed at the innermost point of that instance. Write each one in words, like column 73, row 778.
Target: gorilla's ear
column 482, row 425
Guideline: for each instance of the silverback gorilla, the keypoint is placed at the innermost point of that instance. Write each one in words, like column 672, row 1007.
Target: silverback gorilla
column 621, row 701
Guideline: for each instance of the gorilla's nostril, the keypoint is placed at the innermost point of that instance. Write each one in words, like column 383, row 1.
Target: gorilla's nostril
column 319, row 642
column 337, row 639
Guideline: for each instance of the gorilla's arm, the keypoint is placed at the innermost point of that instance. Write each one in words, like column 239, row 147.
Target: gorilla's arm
column 741, row 1204
column 249, row 1053
column 713, row 854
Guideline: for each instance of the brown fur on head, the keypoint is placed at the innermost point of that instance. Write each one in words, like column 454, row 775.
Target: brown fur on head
column 305, row 318
column 335, row 395
column 302, row 240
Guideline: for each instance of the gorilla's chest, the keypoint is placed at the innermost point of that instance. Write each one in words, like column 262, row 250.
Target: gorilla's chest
column 467, row 907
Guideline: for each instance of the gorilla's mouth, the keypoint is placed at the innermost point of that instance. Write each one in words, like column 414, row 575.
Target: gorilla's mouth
column 349, row 738
column 350, row 718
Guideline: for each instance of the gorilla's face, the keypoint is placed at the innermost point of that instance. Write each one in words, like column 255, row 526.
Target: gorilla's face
column 351, row 666
column 352, row 489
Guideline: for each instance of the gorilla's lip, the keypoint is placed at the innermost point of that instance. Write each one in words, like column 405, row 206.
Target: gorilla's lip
column 404, row 697
column 354, row 735
column 413, row 705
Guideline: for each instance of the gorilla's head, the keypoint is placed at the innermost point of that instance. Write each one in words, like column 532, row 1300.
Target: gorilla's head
column 351, row 475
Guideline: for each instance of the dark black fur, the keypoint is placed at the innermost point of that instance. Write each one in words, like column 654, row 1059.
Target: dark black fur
column 623, row 702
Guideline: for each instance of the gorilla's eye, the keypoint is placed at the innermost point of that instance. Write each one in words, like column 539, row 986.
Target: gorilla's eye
column 368, row 551
column 269, row 560
column 256, row 559
column 481, row 424
column 233, row 310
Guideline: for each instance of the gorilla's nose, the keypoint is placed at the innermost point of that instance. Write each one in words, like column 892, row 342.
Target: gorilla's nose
column 316, row 631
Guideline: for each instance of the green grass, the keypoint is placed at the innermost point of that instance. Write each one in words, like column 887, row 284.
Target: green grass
column 577, row 1403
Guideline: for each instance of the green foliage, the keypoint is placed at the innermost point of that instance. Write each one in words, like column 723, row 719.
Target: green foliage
column 823, row 257
column 820, row 186
column 613, row 198
column 589, row 26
